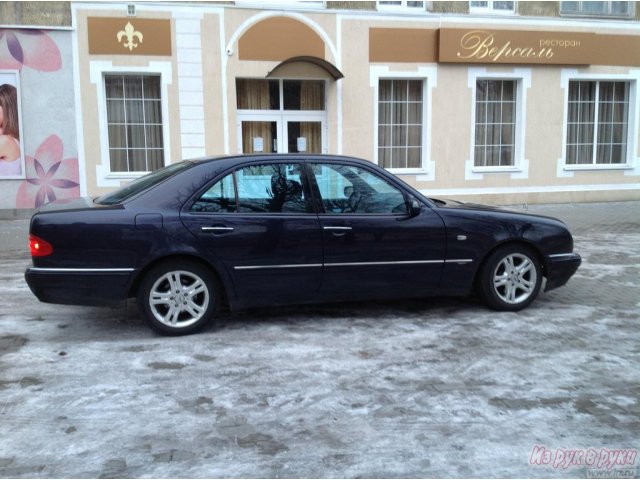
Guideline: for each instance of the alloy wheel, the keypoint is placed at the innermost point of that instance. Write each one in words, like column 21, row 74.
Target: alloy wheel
column 515, row 278
column 179, row 299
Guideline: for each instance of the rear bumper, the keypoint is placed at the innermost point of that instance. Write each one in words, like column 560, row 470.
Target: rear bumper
column 560, row 269
column 79, row 286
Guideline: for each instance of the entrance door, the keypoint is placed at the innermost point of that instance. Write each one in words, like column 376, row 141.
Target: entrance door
column 281, row 116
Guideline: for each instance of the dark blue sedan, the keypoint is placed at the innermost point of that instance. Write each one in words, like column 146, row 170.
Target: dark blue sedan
column 252, row 231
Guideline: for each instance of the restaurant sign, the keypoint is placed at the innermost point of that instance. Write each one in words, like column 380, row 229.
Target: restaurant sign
column 537, row 47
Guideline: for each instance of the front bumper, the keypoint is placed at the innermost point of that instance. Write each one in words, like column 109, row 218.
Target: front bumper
column 560, row 268
column 79, row 286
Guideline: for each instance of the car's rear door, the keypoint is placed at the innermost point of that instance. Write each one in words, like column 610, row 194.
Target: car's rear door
column 373, row 246
column 267, row 237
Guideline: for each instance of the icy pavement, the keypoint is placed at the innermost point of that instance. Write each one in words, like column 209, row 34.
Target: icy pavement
column 432, row 388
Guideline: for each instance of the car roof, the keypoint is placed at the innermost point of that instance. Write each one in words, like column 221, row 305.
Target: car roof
column 239, row 158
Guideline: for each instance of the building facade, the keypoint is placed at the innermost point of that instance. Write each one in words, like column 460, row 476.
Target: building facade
column 38, row 135
column 501, row 102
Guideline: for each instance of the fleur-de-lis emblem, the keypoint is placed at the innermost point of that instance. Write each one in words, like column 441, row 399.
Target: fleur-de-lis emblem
column 131, row 34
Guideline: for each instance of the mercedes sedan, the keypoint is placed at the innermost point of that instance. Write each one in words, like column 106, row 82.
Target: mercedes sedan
column 251, row 231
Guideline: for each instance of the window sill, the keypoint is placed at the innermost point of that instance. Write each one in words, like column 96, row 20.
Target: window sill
column 408, row 171
column 491, row 13
column 405, row 10
column 496, row 170
column 586, row 168
column 597, row 16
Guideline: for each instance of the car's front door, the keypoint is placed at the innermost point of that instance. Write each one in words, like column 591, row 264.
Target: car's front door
column 258, row 222
column 374, row 245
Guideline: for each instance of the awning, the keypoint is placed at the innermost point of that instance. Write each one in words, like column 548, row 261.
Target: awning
column 318, row 62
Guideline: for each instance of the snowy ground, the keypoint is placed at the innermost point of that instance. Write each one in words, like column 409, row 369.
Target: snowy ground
column 433, row 388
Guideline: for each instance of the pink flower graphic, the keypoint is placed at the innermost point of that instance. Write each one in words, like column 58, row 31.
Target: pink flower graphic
column 49, row 176
column 31, row 48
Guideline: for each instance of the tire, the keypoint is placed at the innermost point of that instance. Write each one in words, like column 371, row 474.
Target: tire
column 179, row 297
column 510, row 278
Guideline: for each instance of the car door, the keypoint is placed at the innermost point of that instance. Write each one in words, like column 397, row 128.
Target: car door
column 259, row 223
column 375, row 244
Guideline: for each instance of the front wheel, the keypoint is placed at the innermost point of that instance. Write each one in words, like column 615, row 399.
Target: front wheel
column 510, row 278
column 178, row 297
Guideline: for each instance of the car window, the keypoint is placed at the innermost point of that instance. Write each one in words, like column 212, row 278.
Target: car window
column 141, row 184
column 268, row 188
column 221, row 197
column 273, row 188
column 349, row 189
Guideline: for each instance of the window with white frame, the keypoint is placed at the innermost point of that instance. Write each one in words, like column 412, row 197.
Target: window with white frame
column 492, row 6
column 409, row 5
column 134, row 121
column 598, row 9
column 400, row 123
column 597, row 122
column 495, row 123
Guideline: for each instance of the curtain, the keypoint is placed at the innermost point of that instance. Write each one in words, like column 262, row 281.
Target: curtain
column 400, row 123
column 134, row 118
column 254, row 95
column 495, row 122
column 252, row 130
column 312, row 98
column 116, row 120
column 312, row 95
column 612, row 122
column 312, row 131
column 581, row 119
column 597, row 118
column 385, row 112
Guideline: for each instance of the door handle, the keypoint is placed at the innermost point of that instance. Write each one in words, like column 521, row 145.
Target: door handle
column 218, row 230
column 336, row 230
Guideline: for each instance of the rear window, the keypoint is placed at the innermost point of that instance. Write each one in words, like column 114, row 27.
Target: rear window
column 141, row 184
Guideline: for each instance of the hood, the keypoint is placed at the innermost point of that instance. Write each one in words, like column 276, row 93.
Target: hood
column 448, row 203
column 477, row 207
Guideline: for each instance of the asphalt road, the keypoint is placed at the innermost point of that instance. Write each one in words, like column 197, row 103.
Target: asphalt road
column 424, row 388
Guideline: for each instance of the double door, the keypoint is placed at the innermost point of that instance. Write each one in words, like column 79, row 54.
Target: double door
column 282, row 133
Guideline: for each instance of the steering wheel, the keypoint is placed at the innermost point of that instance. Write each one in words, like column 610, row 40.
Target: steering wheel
column 354, row 201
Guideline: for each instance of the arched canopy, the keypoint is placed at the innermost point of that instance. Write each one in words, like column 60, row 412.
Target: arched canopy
column 309, row 60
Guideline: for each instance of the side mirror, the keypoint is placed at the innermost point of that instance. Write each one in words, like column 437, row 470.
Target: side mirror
column 413, row 207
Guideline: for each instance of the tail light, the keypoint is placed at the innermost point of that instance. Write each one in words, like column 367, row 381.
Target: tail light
column 39, row 247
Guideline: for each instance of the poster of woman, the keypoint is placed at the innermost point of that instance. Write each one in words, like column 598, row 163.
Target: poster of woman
column 11, row 157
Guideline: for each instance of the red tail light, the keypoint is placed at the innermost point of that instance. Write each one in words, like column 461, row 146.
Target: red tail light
column 39, row 247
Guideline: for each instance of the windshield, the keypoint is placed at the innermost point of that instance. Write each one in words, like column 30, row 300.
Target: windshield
column 141, row 184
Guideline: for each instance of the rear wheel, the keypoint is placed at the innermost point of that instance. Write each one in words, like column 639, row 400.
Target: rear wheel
column 178, row 297
column 510, row 278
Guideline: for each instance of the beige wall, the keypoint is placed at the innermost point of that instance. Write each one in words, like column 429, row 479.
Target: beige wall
column 357, row 93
